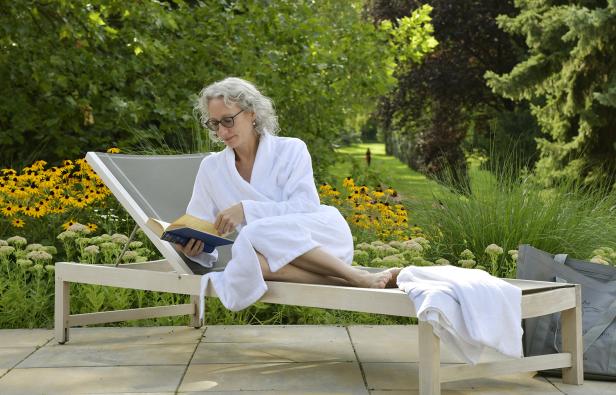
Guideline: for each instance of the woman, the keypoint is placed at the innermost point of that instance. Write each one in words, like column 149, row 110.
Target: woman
column 263, row 186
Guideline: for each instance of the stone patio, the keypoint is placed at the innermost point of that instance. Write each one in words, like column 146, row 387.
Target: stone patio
column 379, row 360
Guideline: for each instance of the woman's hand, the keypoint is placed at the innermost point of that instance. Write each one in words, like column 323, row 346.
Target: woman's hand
column 194, row 247
column 227, row 220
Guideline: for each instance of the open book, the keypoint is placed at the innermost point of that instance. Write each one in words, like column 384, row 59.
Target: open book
column 188, row 227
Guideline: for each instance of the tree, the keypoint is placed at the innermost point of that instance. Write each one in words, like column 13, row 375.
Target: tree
column 84, row 75
column 435, row 103
column 569, row 77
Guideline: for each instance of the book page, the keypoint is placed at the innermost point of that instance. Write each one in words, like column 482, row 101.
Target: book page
column 189, row 221
column 157, row 226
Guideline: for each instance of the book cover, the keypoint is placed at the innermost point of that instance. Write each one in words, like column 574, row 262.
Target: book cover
column 188, row 227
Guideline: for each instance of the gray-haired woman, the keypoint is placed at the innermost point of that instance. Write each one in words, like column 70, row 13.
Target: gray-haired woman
column 263, row 186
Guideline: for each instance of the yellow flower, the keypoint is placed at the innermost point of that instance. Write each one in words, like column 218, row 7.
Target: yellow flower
column 68, row 224
column 38, row 165
column 348, row 183
column 92, row 227
column 20, row 193
column 9, row 210
column 79, row 202
column 325, row 188
column 65, row 199
column 18, row 223
column 113, row 150
column 35, row 211
column 378, row 194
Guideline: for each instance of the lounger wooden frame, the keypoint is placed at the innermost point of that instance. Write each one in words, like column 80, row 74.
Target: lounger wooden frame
column 538, row 298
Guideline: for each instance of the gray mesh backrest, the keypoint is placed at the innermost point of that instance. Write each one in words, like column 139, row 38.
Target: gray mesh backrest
column 161, row 185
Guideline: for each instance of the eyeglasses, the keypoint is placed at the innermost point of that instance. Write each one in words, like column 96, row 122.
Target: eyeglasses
column 227, row 122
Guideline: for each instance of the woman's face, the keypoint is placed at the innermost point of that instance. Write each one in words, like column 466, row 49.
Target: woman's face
column 242, row 131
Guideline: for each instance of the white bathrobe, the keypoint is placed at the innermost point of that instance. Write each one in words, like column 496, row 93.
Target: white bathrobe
column 284, row 218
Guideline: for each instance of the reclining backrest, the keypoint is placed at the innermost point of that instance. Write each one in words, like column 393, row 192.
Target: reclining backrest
column 158, row 186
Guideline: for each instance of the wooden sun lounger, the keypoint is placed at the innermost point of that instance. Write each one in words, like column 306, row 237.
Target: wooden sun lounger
column 173, row 274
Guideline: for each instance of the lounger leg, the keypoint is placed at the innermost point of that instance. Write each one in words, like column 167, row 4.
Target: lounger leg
column 62, row 310
column 429, row 360
column 571, row 323
column 195, row 321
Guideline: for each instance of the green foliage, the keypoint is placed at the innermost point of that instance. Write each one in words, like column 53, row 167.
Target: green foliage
column 84, row 75
column 426, row 117
column 412, row 37
column 569, row 77
column 510, row 210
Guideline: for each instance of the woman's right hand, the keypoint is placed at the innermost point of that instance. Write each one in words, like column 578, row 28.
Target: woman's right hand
column 194, row 247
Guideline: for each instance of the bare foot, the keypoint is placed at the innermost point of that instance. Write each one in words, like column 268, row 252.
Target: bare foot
column 392, row 283
column 373, row 280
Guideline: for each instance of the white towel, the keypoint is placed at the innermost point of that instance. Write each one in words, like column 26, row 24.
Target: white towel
column 468, row 308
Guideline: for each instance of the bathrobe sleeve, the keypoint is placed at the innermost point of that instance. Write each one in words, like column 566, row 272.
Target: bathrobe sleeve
column 299, row 193
column 202, row 206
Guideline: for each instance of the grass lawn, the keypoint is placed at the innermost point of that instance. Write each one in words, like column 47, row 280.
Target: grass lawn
column 411, row 185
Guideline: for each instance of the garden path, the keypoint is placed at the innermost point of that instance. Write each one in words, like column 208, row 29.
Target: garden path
column 411, row 185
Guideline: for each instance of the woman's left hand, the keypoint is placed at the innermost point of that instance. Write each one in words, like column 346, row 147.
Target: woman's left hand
column 228, row 219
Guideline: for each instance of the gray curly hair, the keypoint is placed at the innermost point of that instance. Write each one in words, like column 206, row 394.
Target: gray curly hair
column 243, row 93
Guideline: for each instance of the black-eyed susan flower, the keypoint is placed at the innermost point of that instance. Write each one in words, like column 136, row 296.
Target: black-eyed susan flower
column 18, row 223
column 348, row 183
column 68, row 224
column 113, row 150
column 92, row 227
column 79, row 202
column 35, row 211
column 9, row 210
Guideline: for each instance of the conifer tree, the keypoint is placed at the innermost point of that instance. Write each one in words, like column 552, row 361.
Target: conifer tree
column 569, row 78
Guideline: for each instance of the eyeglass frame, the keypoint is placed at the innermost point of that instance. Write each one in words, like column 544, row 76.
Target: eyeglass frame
column 232, row 118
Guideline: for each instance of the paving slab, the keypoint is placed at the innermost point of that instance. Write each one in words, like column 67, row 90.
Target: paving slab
column 277, row 392
column 329, row 377
column 273, row 333
column 11, row 356
column 590, row 387
column 398, row 343
column 86, row 380
column 405, row 376
column 121, row 354
column 135, row 335
column 24, row 337
column 390, row 343
column 416, row 392
column 304, row 351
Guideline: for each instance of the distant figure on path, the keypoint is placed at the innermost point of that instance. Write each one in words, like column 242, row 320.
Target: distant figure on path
column 368, row 157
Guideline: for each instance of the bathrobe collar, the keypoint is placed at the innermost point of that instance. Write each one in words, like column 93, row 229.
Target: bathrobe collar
column 259, row 168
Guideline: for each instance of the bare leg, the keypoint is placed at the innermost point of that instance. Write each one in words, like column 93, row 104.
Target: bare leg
column 320, row 262
column 295, row 274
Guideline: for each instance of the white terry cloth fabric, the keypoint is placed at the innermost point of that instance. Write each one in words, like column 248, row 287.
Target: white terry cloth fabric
column 468, row 308
column 284, row 218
